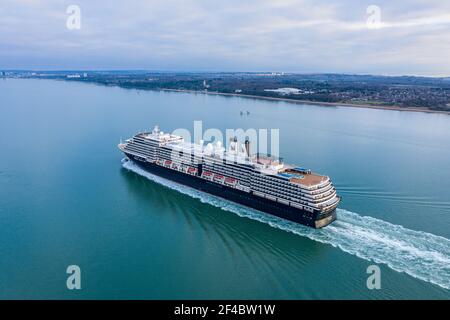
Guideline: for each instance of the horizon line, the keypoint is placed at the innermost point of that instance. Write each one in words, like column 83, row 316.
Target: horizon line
column 224, row 72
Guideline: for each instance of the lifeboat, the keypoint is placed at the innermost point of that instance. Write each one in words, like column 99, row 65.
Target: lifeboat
column 192, row 171
column 230, row 181
column 167, row 163
column 218, row 177
column 207, row 175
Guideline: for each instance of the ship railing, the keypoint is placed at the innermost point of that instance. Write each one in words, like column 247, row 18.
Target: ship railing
column 329, row 203
column 318, row 186
column 296, row 205
column 330, row 207
column 309, row 206
column 283, row 201
column 243, row 188
column 327, row 199
column 321, row 190
column 324, row 195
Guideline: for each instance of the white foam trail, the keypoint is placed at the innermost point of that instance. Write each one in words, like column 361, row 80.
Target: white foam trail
column 421, row 255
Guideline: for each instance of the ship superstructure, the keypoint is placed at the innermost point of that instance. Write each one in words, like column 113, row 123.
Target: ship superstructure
column 259, row 181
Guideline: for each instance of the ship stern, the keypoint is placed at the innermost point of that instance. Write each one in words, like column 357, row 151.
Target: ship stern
column 325, row 220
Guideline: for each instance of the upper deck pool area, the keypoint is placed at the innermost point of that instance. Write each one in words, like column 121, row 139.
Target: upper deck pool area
column 302, row 176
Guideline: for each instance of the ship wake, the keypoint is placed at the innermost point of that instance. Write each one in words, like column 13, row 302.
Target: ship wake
column 419, row 254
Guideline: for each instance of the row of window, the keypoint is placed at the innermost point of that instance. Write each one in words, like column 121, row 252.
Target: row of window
column 279, row 194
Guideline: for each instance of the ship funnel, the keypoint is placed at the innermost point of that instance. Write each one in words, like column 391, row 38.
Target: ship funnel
column 247, row 147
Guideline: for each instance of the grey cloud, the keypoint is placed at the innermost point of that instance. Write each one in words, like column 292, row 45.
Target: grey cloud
column 285, row 35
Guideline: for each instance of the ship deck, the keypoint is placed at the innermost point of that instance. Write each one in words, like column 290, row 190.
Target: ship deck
column 309, row 179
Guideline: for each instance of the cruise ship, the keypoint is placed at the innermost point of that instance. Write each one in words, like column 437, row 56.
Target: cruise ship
column 258, row 181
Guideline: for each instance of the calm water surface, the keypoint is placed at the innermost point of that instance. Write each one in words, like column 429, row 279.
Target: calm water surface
column 66, row 198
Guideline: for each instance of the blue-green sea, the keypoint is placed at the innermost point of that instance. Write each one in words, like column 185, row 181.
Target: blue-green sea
column 67, row 199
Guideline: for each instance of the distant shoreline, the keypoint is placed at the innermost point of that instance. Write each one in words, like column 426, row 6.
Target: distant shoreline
column 307, row 102
column 333, row 104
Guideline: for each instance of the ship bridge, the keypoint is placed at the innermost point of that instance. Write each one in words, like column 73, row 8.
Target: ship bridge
column 161, row 137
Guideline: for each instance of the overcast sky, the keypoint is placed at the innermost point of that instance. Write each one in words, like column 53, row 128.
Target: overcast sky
column 412, row 37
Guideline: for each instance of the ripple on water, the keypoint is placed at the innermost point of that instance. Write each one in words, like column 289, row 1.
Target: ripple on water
column 421, row 255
